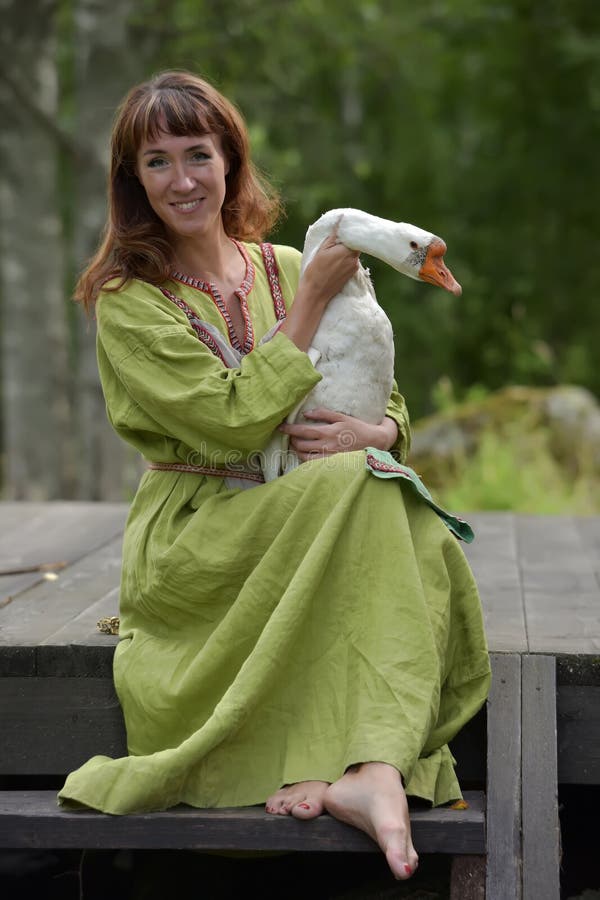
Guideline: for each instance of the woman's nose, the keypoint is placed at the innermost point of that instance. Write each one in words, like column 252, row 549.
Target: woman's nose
column 182, row 180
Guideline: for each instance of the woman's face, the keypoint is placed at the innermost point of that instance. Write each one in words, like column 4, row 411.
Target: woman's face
column 184, row 180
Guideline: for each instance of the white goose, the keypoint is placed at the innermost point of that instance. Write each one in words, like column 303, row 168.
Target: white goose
column 353, row 347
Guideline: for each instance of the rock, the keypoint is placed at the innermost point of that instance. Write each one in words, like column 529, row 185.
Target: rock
column 565, row 421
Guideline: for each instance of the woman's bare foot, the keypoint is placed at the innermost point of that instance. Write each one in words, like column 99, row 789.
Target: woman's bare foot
column 371, row 797
column 304, row 800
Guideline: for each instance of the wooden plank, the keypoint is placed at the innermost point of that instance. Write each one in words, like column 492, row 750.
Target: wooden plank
column 33, row 819
column 493, row 557
column 551, row 542
column 51, row 726
column 540, row 824
column 17, row 522
column 17, row 661
column 82, row 628
column 504, row 620
column 588, row 529
column 563, row 623
column 578, row 713
column 503, row 875
column 33, row 533
column 86, row 659
column 561, row 590
column 493, row 553
column 50, row 607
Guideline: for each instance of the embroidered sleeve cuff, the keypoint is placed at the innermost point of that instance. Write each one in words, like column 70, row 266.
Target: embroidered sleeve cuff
column 396, row 410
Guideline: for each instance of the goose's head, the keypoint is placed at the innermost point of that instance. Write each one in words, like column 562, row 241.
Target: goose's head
column 407, row 248
column 420, row 255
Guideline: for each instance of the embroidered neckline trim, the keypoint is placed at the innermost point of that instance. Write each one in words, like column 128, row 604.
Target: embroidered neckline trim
column 208, row 287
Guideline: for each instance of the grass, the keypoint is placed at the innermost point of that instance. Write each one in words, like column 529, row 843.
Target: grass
column 515, row 470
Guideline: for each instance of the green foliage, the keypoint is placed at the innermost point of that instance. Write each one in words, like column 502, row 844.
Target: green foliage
column 444, row 399
column 516, row 471
column 476, row 120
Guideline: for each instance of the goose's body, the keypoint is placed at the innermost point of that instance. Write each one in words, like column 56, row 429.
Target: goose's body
column 353, row 347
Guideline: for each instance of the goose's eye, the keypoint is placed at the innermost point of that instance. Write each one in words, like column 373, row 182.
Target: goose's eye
column 414, row 245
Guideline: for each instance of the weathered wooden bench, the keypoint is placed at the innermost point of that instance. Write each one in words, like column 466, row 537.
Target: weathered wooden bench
column 81, row 717
column 539, row 583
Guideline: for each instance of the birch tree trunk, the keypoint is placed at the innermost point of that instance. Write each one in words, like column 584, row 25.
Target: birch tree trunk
column 108, row 61
column 36, row 411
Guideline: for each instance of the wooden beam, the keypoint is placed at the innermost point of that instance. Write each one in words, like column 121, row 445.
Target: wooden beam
column 33, row 819
column 541, row 829
column 53, row 725
column 503, row 875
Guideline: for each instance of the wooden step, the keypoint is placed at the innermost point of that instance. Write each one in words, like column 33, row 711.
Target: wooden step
column 33, row 819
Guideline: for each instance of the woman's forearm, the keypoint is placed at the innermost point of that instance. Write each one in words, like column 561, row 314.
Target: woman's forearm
column 303, row 318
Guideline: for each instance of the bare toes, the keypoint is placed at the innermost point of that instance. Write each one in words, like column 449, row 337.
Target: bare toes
column 303, row 800
column 307, row 809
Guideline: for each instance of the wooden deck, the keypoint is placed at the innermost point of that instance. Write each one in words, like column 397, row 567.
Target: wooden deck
column 539, row 579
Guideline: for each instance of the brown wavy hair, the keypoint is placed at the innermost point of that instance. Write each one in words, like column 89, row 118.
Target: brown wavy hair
column 135, row 242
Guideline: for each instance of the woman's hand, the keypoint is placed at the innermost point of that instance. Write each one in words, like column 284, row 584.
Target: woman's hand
column 333, row 432
column 328, row 271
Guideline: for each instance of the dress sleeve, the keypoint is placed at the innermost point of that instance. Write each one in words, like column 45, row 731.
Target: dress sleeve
column 396, row 410
column 186, row 390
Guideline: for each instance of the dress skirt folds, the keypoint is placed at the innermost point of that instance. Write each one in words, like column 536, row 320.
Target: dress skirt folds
column 281, row 633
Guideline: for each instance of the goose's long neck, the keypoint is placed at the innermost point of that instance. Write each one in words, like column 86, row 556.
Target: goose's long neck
column 371, row 234
column 359, row 231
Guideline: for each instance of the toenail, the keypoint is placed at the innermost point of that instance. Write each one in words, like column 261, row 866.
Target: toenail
column 407, row 869
column 304, row 805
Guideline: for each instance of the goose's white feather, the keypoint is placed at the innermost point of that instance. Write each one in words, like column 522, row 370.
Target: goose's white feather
column 353, row 347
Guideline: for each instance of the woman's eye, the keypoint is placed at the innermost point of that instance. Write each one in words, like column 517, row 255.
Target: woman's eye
column 156, row 163
column 200, row 155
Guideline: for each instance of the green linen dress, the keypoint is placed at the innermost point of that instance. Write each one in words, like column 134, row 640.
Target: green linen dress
column 280, row 633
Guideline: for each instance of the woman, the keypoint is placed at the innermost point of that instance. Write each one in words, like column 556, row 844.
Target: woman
column 312, row 643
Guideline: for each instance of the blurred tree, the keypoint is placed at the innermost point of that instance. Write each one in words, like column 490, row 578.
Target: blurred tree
column 57, row 97
column 35, row 375
column 103, row 56
column 476, row 120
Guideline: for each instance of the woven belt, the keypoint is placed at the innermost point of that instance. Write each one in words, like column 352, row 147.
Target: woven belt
column 209, row 470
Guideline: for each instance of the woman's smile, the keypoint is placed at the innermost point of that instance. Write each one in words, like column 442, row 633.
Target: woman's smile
column 184, row 180
column 187, row 205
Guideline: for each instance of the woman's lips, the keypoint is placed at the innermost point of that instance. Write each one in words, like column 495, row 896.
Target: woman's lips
column 187, row 205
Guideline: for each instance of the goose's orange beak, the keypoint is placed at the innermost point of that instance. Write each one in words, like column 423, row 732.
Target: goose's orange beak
column 435, row 271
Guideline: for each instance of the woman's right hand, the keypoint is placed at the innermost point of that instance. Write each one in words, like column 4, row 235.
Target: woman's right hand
column 324, row 277
column 328, row 271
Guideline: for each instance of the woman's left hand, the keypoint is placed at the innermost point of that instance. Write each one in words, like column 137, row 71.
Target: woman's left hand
column 333, row 432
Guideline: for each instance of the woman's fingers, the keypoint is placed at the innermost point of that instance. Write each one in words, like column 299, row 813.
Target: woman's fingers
column 307, row 432
column 325, row 415
column 334, row 432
